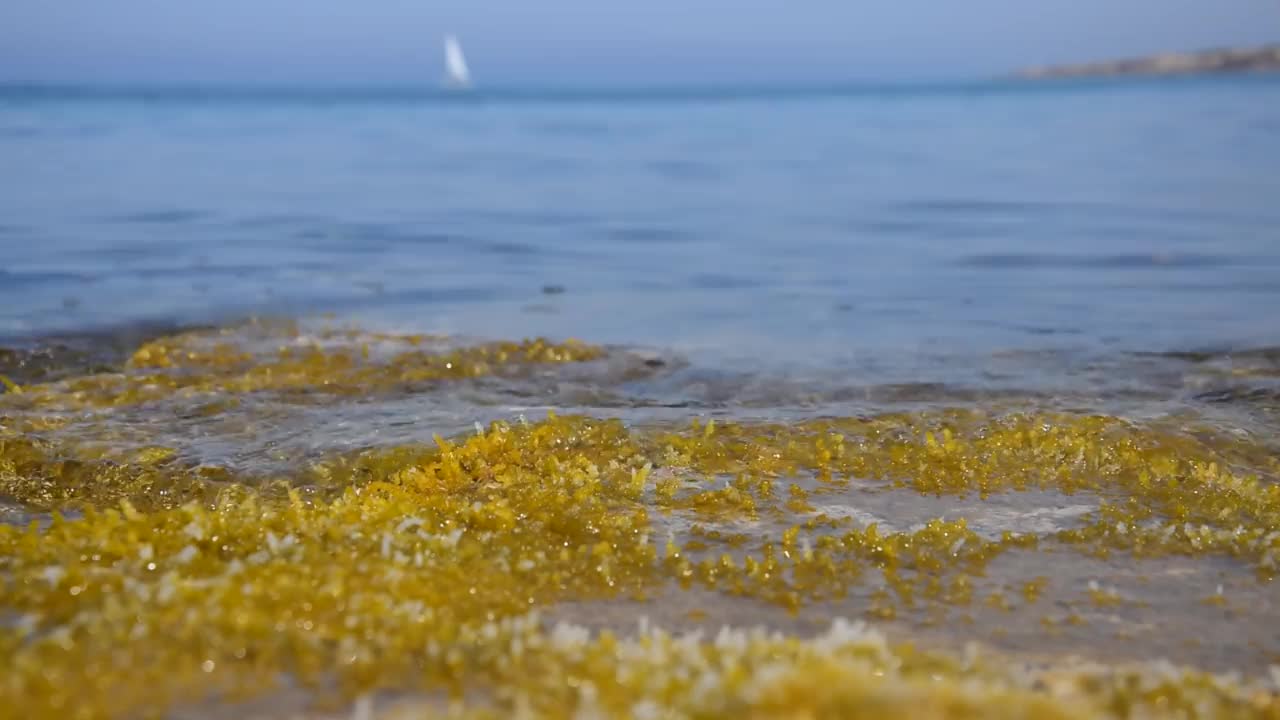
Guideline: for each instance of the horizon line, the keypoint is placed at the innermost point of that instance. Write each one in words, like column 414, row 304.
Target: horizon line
column 250, row 87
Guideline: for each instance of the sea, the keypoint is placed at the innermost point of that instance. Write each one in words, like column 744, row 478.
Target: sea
column 871, row 229
column 1100, row 248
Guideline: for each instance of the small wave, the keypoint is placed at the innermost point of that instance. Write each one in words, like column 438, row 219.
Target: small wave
column 357, row 238
column 719, row 281
column 275, row 221
column 962, row 206
column 160, row 217
column 644, row 235
column 1114, row 261
column 510, row 248
column 10, row 279
column 1073, row 210
column 1266, row 397
column 217, row 271
column 1266, row 353
column 950, row 229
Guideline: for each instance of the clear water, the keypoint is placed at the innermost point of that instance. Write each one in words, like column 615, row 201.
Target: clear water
column 892, row 229
column 1102, row 247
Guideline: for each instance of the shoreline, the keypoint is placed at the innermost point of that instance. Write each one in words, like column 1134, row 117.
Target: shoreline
column 1221, row 61
column 180, row 514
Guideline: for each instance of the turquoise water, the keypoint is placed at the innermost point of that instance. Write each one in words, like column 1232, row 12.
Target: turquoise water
column 897, row 228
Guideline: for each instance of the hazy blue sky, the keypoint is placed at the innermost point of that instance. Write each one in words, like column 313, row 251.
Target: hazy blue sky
column 596, row 41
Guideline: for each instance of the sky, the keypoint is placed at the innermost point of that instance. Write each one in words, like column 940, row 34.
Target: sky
column 596, row 42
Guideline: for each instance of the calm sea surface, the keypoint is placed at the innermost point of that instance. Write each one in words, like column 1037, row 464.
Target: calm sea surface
column 874, row 226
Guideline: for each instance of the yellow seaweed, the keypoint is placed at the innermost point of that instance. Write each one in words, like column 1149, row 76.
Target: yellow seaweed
column 154, row 582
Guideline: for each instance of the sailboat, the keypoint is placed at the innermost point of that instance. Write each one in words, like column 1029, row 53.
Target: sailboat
column 456, row 75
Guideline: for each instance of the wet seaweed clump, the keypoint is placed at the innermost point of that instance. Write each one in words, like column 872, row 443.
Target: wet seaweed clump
column 437, row 571
column 285, row 360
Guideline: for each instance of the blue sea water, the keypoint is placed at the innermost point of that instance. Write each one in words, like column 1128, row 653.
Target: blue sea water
column 878, row 225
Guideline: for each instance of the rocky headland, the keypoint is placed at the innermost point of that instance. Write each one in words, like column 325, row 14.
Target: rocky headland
column 1231, row 60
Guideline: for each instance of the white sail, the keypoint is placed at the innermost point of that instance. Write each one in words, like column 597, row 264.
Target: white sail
column 455, row 65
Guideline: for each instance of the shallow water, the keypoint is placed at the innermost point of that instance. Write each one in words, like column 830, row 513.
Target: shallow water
column 886, row 262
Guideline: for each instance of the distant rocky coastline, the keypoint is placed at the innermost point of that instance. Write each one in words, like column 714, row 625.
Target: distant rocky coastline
column 1233, row 60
